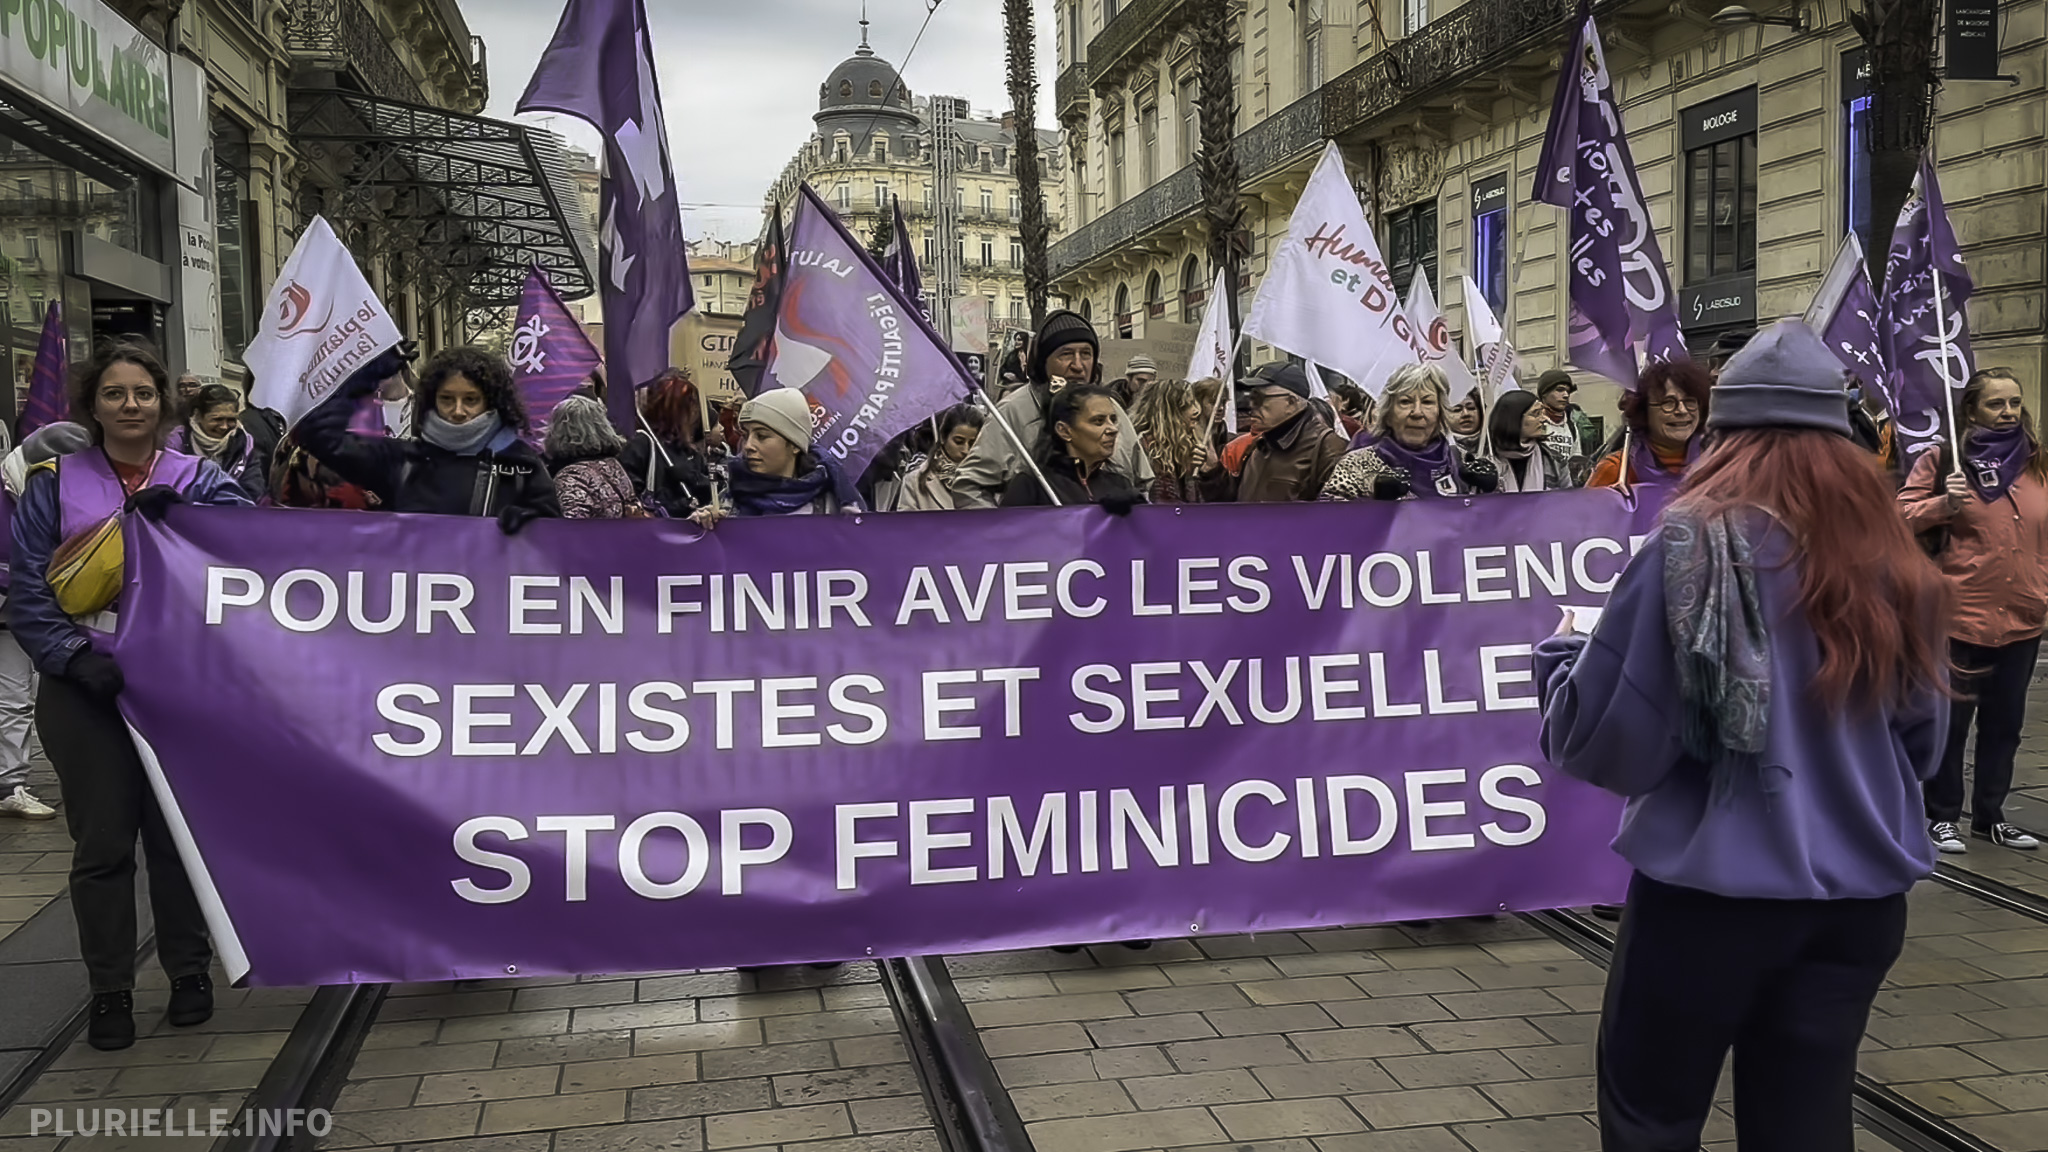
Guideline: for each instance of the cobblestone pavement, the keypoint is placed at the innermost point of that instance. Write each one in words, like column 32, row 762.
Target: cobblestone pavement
column 1458, row 1036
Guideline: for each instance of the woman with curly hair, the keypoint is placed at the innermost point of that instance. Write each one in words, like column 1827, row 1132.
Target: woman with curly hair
column 672, row 462
column 466, row 458
column 1666, row 415
column 1170, row 429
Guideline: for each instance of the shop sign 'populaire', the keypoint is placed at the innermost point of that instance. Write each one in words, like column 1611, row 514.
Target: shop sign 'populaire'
column 412, row 748
column 86, row 62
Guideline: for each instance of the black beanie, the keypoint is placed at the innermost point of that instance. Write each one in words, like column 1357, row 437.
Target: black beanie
column 1060, row 329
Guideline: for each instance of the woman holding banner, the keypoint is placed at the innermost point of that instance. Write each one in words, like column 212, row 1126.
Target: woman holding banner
column 67, row 571
column 1767, row 687
column 1666, row 414
column 1411, row 452
column 1078, row 459
column 1991, row 521
column 1529, row 460
column 468, row 458
column 776, row 473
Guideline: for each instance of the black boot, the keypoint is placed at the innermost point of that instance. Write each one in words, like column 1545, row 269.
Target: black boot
column 191, row 1001
column 111, row 1025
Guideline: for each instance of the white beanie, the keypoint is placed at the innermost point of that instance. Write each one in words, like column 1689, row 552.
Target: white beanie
column 783, row 411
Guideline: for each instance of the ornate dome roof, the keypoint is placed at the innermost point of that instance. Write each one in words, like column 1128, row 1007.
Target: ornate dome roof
column 865, row 85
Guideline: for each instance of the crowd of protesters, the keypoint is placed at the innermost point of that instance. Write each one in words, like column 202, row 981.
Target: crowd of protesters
column 451, row 436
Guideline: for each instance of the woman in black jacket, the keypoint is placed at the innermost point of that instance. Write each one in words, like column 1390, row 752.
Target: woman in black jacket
column 672, row 463
column 1077, row 456
column 466, row 458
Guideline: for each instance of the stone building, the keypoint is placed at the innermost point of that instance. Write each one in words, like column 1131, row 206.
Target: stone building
column 874, row 141
column 1745, row 137
column 167, row 214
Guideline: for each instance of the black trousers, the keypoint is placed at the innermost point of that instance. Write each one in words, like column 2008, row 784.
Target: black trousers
column 107, row 804
column 1992, row 683
column 1786, row 983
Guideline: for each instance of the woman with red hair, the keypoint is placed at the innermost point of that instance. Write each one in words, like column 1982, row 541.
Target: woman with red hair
column 671, row 462
column 1768, row 689
column 1666, row 413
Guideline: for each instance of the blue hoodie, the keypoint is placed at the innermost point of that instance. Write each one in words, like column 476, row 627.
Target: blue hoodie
column 1832, row 808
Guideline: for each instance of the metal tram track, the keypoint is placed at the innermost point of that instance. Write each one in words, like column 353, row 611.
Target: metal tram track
column 1890, row 1116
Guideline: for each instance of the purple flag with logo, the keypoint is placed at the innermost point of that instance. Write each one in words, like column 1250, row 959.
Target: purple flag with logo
column 1846, row 315
column 1621, row 297
column 551, row 357
column 860, row 349
column 600, row 68
column 616, row 746
column 46, row 404
column 900, row 259
column 1925, row 327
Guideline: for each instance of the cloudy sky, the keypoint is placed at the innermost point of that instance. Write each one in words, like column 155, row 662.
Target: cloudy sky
column 740, row 78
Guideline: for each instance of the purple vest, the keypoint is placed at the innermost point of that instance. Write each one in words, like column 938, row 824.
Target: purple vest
column 88, row 491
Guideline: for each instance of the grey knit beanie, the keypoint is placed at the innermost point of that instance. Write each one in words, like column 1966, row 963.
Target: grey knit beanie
column 1785, row 377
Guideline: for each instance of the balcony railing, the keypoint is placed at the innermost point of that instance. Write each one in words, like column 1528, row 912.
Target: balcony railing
column 1122, row 41
column 1268, row 146
column 342, row 35
column 1070, row 92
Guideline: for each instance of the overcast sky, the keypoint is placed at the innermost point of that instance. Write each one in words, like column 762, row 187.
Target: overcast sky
column 740, row 79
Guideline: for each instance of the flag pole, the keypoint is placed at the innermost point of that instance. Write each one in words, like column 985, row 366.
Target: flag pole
column 1948, row 407
column 1016, row 442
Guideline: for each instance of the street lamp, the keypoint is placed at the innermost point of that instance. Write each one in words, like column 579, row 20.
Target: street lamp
column 1735, row 15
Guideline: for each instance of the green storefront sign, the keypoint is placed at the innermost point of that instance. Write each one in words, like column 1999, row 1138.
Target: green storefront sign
column 83, row 60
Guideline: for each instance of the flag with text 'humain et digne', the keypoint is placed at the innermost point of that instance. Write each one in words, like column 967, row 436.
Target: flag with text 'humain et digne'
column 1623, row 310
column 858, row 348
column 321, row 322
column 600, row 68
column 551, row 357
column 1327, row 295
column 1925, row 327
column 1845, row 314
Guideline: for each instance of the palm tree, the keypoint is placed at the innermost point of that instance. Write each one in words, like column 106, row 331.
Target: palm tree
column 1021, row 41
column 1215, row 36
column 1898, row 36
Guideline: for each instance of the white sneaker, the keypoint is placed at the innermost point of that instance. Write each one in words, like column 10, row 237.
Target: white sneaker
column 1947, row 837
column 2008, row 836
column 23, row 805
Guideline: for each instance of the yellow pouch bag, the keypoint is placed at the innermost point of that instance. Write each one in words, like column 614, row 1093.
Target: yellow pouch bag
column 86, row 570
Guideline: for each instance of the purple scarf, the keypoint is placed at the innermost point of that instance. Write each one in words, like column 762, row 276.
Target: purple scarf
column 1432, row 470
column 1992, row 461
column 1644, row 469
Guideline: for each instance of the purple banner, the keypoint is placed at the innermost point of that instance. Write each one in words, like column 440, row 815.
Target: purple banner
column 551, row 357
column 46, row 403
column 412, row 748
column 1925, row 325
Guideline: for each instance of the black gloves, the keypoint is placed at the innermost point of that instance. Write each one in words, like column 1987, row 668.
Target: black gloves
column 513, row 517
column 1481, row 475
column 387, row 364
column 1392, row 486
column 96, row 672
column 152, row 502
column 1119, row 505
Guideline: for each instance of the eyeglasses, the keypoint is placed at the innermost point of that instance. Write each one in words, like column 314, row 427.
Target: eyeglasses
column 118, row 396
column 1673, row 405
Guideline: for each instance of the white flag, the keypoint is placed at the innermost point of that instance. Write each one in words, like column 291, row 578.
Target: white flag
column 321, row 322
column 1317, row 390
column 1213, row 343
column 1496, row 356
column 1327, row 296
column 1435, row 337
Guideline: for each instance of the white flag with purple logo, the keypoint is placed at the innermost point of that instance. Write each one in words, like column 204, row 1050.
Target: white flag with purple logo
column 321, row 322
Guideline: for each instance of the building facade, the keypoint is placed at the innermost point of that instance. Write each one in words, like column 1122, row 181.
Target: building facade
column 163, row 208
column 1747, row 140
column 875, row 143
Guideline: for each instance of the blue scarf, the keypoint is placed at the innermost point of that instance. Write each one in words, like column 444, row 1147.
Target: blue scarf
column 756, row 495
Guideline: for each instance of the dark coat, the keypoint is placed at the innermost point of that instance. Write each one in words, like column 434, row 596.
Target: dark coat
column 682, row 479
column 1063, row 472
column 1288, row 463
column 417, row 476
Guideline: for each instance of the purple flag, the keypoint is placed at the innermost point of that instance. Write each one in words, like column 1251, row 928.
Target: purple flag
column 900, row 260
column 46, row 404
column 859, row 348
column 1845, row 314
column 551, row 357
column 616, row 746
column 1927, row 347
column 600, row 68
column 1621, row 298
